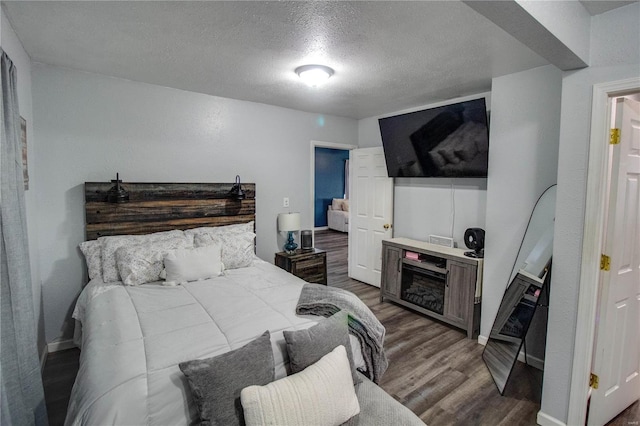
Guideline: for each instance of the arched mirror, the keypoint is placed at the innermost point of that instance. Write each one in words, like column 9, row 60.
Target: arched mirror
column 528, row 283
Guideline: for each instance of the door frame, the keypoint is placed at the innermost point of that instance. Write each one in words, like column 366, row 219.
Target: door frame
column 597, row 184
column 312, row 169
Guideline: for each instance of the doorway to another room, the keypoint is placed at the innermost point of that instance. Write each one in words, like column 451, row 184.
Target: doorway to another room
column 331, row 189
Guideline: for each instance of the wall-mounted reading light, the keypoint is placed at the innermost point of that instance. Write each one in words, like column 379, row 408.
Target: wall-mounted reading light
column 236, row 191
column 314, row 75
column 117, row 194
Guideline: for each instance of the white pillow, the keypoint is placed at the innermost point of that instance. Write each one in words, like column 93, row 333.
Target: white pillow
column 112, row 243
column 92, row 251
column 237, row 228
column 192, row 264
column 321, row 394
column 238, row 250
column 143, row 263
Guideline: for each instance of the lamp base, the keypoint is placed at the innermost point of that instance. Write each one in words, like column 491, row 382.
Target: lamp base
column 290, row 247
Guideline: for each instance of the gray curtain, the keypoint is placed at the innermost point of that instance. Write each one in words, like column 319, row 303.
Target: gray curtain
column 22, row 393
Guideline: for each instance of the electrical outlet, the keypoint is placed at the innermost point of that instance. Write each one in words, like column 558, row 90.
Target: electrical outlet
column 285, row 202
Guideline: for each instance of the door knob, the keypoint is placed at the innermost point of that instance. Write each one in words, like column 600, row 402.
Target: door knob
column 386, row 226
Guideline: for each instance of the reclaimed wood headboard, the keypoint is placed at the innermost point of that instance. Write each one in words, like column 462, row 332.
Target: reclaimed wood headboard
column 154, row 207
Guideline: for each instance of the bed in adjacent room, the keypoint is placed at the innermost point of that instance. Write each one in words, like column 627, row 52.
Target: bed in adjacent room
column 176, row 294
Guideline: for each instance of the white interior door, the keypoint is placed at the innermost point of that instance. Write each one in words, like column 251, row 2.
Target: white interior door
column 371, row 213
column 617, row 350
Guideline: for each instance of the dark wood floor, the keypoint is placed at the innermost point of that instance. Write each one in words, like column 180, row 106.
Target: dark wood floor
column 433, row 368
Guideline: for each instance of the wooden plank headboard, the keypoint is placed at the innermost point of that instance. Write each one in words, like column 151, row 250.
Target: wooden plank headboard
column 154, row 207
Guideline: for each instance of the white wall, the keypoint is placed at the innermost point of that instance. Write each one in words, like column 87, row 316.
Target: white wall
column 423, row 206
column 12, row 46
column 614, row 56
column 90, row 126
column 523, row 161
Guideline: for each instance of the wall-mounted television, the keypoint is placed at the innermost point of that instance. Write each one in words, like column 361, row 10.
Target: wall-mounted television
column 446, row 141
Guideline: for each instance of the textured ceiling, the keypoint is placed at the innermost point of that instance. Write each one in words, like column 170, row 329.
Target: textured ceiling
column 387, row 56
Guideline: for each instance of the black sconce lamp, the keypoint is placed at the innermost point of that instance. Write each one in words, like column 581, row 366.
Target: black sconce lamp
column 236, row 190
column 117, row 194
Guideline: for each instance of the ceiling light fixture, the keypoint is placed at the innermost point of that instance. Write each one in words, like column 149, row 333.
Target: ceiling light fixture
column 314, row 75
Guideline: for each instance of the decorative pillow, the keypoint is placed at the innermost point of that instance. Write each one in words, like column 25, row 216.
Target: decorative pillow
column 336, row 204
column 192, row 264
column 111, row 244
column 345, row 205
column 216, row 382
column 237, row 249
column 306, row 347
column 320, row 395
column 143, row 263
column 238, row 228
column 92, row 251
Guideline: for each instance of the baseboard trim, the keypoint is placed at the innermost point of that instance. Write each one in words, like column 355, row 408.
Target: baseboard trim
column 60, row 345
column 321, row 228
column 532, row 360
column 543, row 419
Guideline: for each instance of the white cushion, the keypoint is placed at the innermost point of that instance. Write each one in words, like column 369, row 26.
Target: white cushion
column 238, row 249
column 237, row 228
column 321, row 394
column 143, row 263
column 192, row 264
column 92, row 251
column 110, row 244
column 336, row 203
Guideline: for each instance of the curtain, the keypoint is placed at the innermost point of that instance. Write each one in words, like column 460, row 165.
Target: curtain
column 22, row 392
column 346, row 179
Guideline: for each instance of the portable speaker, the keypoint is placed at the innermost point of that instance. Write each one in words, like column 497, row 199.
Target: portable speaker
column 306, row 239
column 474, row 239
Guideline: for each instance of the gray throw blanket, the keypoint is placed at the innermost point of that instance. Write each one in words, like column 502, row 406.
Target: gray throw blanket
column 325, row 301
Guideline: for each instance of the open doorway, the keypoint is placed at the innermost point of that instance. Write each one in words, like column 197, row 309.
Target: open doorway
column 591, row 317
column 329, row 180
column 331, row 192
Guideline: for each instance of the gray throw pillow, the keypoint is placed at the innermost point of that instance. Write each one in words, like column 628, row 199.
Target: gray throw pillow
column 216, row 382
column 306, row 347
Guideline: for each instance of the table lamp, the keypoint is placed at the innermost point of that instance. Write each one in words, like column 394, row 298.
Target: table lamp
column 289, row 222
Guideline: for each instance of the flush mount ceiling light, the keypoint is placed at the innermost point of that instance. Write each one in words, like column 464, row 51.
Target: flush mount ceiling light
column 314, row 75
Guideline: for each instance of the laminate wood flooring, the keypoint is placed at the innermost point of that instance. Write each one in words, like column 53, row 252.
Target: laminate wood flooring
column 434, row 369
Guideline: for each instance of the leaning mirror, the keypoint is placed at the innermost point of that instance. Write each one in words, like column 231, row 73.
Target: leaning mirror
column 529, row 278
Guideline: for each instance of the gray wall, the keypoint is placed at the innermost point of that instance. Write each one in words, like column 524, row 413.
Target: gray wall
column 523, row 159
column 12, row 46
column 423, row 206
column 615, row 55
column 88, row 127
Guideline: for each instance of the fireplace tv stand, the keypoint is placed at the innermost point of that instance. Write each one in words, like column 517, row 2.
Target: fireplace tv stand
column 437, row 281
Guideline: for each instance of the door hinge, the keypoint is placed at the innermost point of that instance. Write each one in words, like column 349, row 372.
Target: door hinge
column 593, row 381
column 605, row 262
column 614, row 136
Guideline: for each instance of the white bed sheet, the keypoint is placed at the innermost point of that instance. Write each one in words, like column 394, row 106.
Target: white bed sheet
column 134, row 337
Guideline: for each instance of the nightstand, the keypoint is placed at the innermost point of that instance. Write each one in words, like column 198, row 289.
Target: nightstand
column 309, row 265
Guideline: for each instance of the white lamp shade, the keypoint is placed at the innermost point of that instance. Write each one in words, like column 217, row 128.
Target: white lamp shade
column 288, row 222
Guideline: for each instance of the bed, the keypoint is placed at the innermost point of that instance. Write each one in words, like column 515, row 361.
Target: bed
column 136, row 330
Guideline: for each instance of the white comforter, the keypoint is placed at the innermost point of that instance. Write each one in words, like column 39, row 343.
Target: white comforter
column 134, row 337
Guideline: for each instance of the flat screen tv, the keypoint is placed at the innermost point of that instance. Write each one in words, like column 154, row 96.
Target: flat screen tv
column 447, row 141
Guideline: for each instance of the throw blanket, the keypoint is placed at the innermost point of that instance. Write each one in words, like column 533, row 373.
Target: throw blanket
column 321, row 300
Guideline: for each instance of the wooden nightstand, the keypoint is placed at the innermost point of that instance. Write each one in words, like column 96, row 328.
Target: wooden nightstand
column 310, row 265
